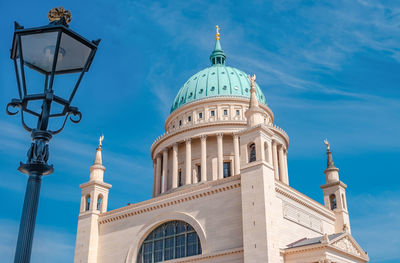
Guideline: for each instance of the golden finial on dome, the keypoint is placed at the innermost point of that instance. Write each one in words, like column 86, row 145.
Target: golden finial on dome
column 217, row 35
column 57, row 13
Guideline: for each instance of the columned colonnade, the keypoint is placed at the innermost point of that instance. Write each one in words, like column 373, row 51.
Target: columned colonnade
column 161, row 169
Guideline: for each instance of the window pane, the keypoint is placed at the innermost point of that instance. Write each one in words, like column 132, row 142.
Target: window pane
column 227, row 169
column 170, row 229
column 158, row 232
column 192, row 246
column 169, row 248
column 180, row 246
column 180, row 227
column 158, row 250
column 174, row 239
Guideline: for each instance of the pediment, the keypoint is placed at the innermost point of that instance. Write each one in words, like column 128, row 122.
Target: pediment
column 348, row 244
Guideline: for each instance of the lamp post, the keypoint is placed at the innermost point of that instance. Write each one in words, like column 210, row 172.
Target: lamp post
column 50, row 50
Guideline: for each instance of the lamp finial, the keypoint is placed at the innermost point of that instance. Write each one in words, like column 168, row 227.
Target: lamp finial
column 58, row 13
column 217, row 35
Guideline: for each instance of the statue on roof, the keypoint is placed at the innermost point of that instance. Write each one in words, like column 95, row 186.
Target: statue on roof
column 252, row 80
column 327, row 145
column 217, row 35
column 101, row 140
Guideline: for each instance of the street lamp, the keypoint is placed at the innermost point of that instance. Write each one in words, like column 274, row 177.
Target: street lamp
column 50, row 50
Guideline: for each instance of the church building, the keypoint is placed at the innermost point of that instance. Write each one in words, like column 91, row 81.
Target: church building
column 221, row 188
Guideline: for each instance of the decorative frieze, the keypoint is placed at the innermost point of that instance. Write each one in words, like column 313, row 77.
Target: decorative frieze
column 303, row 218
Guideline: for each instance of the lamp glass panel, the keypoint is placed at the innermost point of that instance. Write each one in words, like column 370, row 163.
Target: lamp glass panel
column 73, row 54
column 36, row 50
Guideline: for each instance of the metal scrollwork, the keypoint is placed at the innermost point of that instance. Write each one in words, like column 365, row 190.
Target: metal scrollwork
column 76, row 113
column 15, row 103
column 72, row 111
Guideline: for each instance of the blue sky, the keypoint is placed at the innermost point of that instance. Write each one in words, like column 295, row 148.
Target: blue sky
column 327, row 68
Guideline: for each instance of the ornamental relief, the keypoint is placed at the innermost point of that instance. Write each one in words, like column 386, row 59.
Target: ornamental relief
column 347, row 245
column 295, row 214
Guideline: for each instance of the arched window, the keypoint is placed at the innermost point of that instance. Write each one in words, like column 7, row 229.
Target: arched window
column 87, row 203
column 332, row 199
column 174, row 239
column 252, row 152
column 99, row 202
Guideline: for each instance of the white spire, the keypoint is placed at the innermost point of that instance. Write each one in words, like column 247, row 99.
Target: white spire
column 253, row 92
column 97, row 169
column 254, row 114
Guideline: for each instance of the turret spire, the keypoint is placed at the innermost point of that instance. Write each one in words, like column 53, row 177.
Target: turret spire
column 331, row 172
column 97, row 169
column 218, row 56
column 98, row 159
column 253, row 96
column 254, row 114
column 330, row 163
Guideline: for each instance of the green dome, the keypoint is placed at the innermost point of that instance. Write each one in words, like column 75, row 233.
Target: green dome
column 216, row 81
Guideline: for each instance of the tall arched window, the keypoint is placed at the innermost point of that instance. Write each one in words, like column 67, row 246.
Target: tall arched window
column 87, row 203
column 174, row 239
column 252, row 152
column 99, row 202
column 332, row 199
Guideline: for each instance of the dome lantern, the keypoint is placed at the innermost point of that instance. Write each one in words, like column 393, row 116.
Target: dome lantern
column 218, row 56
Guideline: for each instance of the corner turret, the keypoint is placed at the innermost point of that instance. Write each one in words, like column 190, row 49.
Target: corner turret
column 94, row 199
column 335, row 193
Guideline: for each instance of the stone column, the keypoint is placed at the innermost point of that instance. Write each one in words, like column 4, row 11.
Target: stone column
column 220, row 157
column 203, row 162
column 286, row 167
column 158, row 176
column 165, row 170
column 175, row 165
column 281, row 164
column 154, row 178
column 275, row 159
column 188, row 162
column 236, row 154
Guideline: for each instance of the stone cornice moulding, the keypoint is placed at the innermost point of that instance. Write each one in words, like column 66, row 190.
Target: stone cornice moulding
column 221, row 99
column 191, row 193
column 295, row 195
column 334, row 184
column 202, row 257
column 96, row 183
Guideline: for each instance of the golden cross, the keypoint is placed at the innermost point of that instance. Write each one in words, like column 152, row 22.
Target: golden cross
column 217, row 35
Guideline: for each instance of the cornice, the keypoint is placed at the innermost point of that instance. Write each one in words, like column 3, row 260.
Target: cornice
column 172, row 198
column 95, row 182
column 295, row 195
column 334, row 184
column 196, row 103
column 208, row 256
